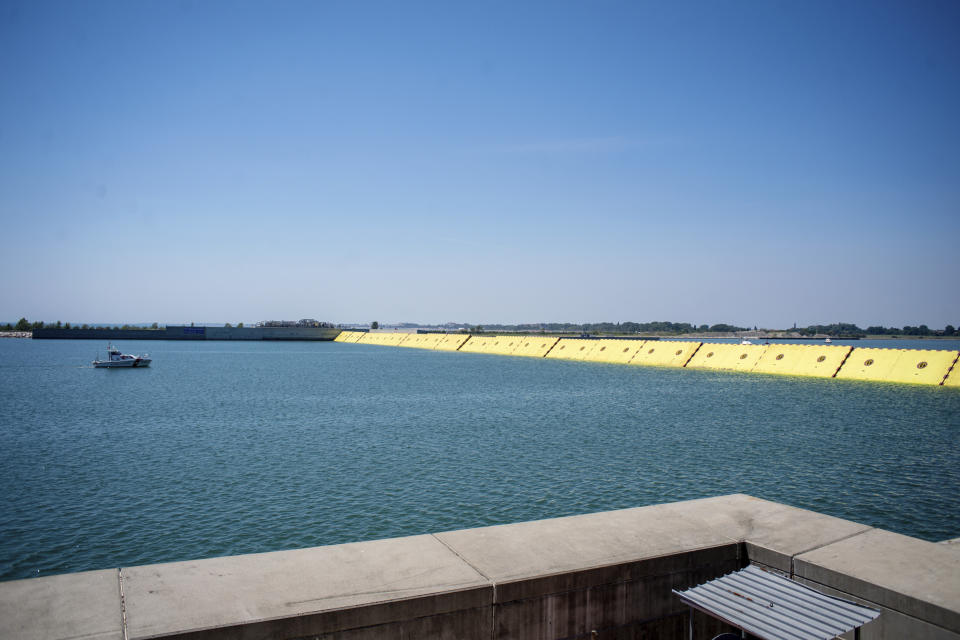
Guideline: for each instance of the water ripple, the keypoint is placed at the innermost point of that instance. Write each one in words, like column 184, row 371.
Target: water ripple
column 224, row 449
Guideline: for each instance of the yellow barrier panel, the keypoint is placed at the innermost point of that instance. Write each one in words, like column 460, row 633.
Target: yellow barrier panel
column 618, row 351
column 953, row 378
column 412, row 340
column 499, row 345
column 422, row 340
column 816, row 360
column 504, row 345
column 372, row 338
column 587, row 348
column 923, row 366
column 452, row 341
column 572, row 348
column 535, row 346
column 665, row 353
column 613, row 351
column 367, row 338
column 869, row 364
column 343, row 336
column 726, row 356
column 433, row 339
column 385, row 339
column 358, row 335
column 478, row 344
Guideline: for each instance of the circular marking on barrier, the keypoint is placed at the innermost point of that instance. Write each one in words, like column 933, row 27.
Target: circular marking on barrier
column 626, row 349
column 779, row 356
column 651, row 351
column 563, row 346
column 868, row 362
column 743, row 356
column 921, row 365
column 582, row 348
column 526, row 345
column 821, row 358
column 679, row 351
column 710, row 355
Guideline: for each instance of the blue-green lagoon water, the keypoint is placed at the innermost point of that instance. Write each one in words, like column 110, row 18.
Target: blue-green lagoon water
column 225, row 448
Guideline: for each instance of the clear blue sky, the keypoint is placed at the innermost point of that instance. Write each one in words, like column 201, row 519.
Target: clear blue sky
column 757, row 163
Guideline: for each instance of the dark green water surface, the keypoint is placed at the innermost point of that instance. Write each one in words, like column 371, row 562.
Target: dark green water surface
column 225, row 448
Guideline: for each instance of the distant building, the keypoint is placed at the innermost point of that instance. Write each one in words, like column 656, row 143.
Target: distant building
column 306, row 322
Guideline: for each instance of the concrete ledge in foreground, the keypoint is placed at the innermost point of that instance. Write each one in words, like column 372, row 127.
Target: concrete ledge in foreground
column 609, row 573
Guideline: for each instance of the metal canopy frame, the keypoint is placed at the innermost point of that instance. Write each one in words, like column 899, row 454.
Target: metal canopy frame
column 772, row 607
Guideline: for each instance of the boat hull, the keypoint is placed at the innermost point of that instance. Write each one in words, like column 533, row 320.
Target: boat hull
column 122, row 364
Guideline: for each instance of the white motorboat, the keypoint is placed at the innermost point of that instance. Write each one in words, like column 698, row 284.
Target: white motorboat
column 117, row 359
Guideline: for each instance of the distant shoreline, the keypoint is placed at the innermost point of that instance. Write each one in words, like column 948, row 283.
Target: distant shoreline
column 29, row 334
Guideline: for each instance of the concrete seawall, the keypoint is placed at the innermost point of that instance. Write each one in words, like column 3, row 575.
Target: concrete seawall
column 604, row 575
column 179, row 332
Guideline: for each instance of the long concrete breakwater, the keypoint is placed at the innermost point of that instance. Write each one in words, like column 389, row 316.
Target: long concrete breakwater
column 914, row 366
column 184, row 332
column 600, row 576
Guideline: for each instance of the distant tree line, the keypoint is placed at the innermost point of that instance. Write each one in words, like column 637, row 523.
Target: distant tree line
column 922, row 330
column 852, row 330
column 616, row 327
column 840, row 329
column 25, row 325
column 836, row 329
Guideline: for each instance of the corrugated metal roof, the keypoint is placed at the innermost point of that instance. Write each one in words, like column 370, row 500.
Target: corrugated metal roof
column 775, row 608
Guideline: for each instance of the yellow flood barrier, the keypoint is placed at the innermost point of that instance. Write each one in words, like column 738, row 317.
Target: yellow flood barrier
column 451, row 341
column 586, row 349
column 384, row 339
column 726, row 356
column 412, row 340
column 478, row 344
column 398, row 338
column 920, row 366
column 816, row 360
column 869, row 364
column 433, row 339
column 344, row 336
column 505, row 345
column 535, row 346
column 422, row 340
column 923, row 366
column 953, row 378
column 572, row 348
column 665, row 353
column 614, row 351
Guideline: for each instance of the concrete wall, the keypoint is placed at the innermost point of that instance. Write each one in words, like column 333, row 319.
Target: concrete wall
column 605, row 575
column 180, row 332
column 99, row 334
